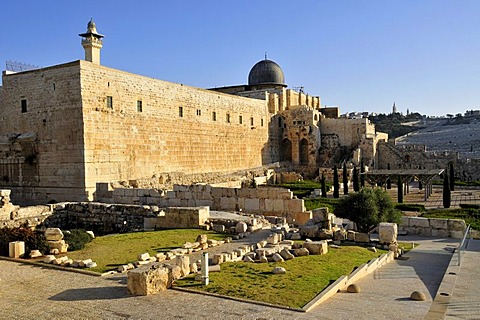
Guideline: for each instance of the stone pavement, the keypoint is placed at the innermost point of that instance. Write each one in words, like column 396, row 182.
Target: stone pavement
column 33, row 292
column 464, row 303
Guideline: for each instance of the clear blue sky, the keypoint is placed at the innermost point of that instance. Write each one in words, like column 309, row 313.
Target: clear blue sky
column 360, row 55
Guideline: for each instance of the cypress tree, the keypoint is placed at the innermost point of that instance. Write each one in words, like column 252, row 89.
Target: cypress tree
column 447, row 196
column 400, row 190
column 452, row 177
column 356, row 185
column 336, row 185
column 324, row 186
column 389, row 181
column 362, row 176
column 345, row 179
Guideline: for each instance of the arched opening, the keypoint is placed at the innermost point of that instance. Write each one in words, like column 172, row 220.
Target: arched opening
column 303, row 151
column 286, row 150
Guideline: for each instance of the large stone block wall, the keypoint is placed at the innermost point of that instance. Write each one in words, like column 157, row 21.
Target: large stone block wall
column 262, row 200
column 122, row 143
column 453, row 228
column 107, row 218
column 54, row 115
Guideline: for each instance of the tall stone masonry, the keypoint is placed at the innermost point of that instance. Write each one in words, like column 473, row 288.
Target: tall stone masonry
column 92, row 43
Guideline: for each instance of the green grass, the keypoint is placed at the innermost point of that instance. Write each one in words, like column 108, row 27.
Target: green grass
column 410, row 207
column 305, row 278
column 303, row 188
column 110, row 251
column 314, row 203
column 471, row 216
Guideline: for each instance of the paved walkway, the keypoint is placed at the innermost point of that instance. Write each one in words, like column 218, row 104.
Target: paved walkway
column 33, row 292
column 464, row 302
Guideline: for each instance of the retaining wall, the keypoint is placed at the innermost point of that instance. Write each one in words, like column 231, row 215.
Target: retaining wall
column 453, row 228
column 261, row 200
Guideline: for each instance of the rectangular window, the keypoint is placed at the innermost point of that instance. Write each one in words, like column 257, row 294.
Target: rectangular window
column 139, row 106
column 24, row 105
column 228, row 117
column 261, row 122
column 199, row 112
column 214, row 116
column 110, row 102
column 180, row 111
column 240, row 119
column 251, row 121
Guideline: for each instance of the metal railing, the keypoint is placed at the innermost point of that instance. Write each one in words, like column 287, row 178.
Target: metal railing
column 463, row 244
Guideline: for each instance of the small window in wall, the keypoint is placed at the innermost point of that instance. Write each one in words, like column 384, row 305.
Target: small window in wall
column 180, row 111
column 23, row 103
column 261, row 122
column 214, row 116
column 240, row 119
column 139, row 106
column 110, row 102
column 228, row 117
column 251, row 121
column 199, row 112
column 279, row 122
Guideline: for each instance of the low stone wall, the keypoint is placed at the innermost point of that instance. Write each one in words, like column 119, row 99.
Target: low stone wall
column 453, row 228
column 261, row 200
column 107, row 218
column 14, row 216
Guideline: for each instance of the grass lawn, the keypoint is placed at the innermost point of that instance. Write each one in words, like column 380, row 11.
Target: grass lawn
column 314, row 203
column 110, row 251
column 303, row 188
column 305, row 278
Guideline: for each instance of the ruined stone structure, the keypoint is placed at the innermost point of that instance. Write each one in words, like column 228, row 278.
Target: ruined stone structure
column 69, row 126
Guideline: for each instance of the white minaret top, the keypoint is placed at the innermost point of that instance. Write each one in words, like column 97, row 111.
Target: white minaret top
column 92, row 43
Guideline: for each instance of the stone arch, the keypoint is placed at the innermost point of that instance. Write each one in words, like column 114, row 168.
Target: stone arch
column 303, row 151
column 286, row 150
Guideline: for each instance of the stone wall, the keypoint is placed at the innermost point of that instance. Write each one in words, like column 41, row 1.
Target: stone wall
column 50, row 165
column 180, row 128
column 261, row 200
column 107, row 218
column 453, row 228
column 94, row 123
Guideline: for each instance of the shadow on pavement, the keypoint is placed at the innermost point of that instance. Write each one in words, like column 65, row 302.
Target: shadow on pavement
column 101, row 293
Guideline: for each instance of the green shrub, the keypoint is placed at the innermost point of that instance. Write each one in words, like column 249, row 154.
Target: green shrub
column 410, row 207
column 76, row 239
column 33, row 240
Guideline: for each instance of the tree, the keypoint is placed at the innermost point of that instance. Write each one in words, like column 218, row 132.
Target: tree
column 362, row 176
column 324, row 186
column 447, row 196
column 399, row 190
column 389, row 181
column 452, row 177
column 356, row 184
column 336, row 185
column 345, row 178
column 367, row 208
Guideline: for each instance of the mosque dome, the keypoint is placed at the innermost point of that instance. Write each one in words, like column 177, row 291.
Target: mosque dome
column 266, row 72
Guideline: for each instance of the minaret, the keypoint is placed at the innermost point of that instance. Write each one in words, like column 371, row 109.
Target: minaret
column 394, row 108
column 92, row 43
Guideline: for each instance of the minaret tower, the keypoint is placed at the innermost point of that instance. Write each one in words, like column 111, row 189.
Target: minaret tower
column 92, row 43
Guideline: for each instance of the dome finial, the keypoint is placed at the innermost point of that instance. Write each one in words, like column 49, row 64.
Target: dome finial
column 265, row 55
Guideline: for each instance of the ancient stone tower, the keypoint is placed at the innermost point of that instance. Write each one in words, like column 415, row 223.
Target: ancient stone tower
column 92, row 43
